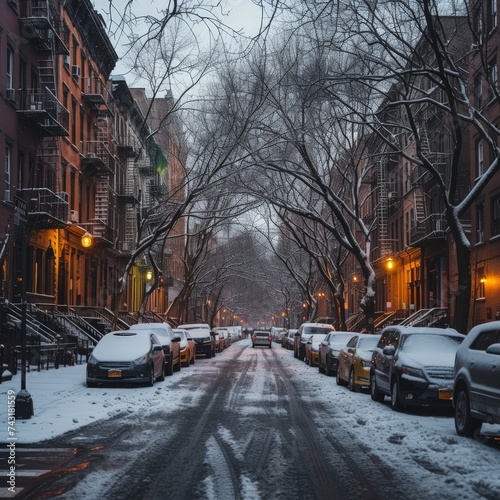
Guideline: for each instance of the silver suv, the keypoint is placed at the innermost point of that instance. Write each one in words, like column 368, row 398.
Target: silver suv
column 476, row 390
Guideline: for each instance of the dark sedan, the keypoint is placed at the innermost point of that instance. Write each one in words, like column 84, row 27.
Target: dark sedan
column 329, row 349
column 126, row 356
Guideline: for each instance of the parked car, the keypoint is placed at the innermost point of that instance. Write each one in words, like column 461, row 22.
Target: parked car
column 312, row 348
column 202, row 335
column 289, row 340
column 126, row 356
column 329, row 349
column 187, row 347
column 302, row 336
column 476, row 390
column 224, row 335
column 219, row 341
column 414, row 366
column 262, row 338
column 170, row 342
column 277, row 334
column 354, row 363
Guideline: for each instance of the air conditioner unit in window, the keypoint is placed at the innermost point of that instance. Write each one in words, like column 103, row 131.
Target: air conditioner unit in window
column 67, row 60
column 75, row 71
column 6, row 195
column 10, row 95
column 74, row 216
column 393, row 195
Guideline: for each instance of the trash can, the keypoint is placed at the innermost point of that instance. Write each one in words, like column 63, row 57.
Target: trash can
column 24, row 405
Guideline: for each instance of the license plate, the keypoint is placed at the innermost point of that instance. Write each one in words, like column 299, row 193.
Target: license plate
column 445, row 394
column 114, row 374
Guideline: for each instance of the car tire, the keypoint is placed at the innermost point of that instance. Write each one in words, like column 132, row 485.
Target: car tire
column 188, row 361
column 340, row 381
column 170, row 366
column 270, row 346
column 327, row 367
column 177, row 367
column 161, row 378
column 375, row 394
column 320, row 367
column 395, row 399
column 350, row 383
column 91, row 384
column 465, row 424
column 151, row 380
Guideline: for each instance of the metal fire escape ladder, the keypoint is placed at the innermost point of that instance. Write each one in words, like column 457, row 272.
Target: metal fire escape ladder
column 383, row 209
column 42, row 25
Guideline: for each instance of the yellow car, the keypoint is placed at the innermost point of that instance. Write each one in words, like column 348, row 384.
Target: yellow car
column 354, row 363
column 187, row 347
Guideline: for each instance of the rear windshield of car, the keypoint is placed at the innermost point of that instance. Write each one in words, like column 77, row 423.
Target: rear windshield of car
column 261, row 334
column 368, row 343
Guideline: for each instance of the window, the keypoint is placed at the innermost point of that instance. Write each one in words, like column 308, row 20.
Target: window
column 485, row 339
column 480, row 283
column 73, row 120
column 10, row 68
column 480, row 159
column 495, row 216
column 492, row 79
column 8, row 170
column 492, row 14
column 479, row 223
column 20, row 169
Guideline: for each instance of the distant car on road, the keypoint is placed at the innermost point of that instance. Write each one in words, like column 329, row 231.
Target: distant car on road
column 355, row 361
column 126, row 356
column 476, row 390
column 312, row 348
column 187, row 347
column 329, row 351
column 304, row 333
column 262, row 338
column 202, row 335
column 170, row 342
column 289, row 340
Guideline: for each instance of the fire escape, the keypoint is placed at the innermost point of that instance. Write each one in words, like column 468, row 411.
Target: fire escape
column 426, row 227
column 385, row 244
column 98, row 160
column 41, row 25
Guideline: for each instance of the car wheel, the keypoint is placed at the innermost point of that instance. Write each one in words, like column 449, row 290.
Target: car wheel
column 209, row 354
column 395, row 401
column 194, row 358
column 170, row 366
column 188, row 361
column 350, row 383
column 270, row 346
column 327, row 367
column 375, row 394
column 91, row 384
column 161, row 378
column 320, row 367
column 151, row 380
column 177, row 367
column 465, row 424
column 340, row 381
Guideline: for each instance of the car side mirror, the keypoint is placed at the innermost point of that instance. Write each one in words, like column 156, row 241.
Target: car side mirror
column 351, row 350
column 389, row 350
column 176, row 338
column 493, row 349
column 157, row 347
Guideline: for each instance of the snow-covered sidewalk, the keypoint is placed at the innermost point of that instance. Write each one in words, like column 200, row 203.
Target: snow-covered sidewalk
column 62, row 402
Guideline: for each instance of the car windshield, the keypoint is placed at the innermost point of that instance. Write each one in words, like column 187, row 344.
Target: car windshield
column 340, row 340
column 121, row 346
column 317, row 338
column 420, row 343
column 314, row 330
column 180, row 333
column 261, row 334
column 368, row 343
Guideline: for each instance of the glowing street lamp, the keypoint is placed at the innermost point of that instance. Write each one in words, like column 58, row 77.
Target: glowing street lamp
column 390, row 263
column 149, row 275
column 86, row 240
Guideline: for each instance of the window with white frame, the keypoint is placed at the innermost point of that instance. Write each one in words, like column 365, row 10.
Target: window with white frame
column 492, row 79
column 492, row 14
column 10, row 68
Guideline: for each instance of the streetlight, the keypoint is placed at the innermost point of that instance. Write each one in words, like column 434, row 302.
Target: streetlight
column 390, row 263
column 86, row 240
column 149, row 275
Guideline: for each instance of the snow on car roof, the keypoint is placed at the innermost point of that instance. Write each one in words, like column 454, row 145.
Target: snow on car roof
column 123, row 345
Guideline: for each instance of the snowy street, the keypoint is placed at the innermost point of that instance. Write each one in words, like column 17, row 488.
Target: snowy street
column 251, row 423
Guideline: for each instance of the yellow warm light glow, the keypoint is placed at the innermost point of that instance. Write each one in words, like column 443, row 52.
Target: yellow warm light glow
column 390, row 263
column 149, row 275
column 86, row 239
column 483, row 279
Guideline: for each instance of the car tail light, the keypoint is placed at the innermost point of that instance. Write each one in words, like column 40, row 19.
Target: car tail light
column 254, row 339
column 270, row 339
